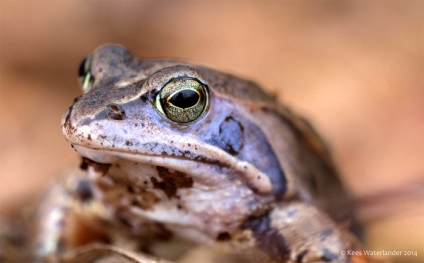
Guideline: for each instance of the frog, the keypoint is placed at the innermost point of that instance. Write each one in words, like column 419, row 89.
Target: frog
column 174, row 152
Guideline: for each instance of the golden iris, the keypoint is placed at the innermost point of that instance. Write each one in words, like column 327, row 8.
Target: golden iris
column 182, row 100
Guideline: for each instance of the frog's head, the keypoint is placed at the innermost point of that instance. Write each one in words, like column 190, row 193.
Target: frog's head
column 176, row 116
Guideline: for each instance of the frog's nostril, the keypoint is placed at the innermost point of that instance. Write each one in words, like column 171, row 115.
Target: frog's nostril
column 116, row 112
column 77, row 99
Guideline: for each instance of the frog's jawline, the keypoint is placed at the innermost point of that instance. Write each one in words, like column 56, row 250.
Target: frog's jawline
column 255, row 179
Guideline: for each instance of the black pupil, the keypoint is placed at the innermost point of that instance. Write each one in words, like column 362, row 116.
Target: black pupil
column 81, row 70
column 186, row 98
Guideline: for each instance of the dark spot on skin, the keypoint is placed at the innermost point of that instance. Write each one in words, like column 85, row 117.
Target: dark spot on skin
column 130, row 189
column 231, row 135
column 234, row 135
column 326, row 233
column 144, row 97
column 116, row 112
column 292, row 212
column 135, row 203
column 84, row 164
column 162, row 185
column 301, row 255
column 172, row 181
column 84, row 191
column 187, row 154
column 223, row 236
column 128, row 143
column 102, row 168
column 162, row 232
column 270, row 240
column 328, row 256
column 180, row 179
column 89, row 137
column 179, row 207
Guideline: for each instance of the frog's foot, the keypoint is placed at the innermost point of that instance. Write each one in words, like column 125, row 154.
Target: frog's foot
column 67, row 217
column 299, row 232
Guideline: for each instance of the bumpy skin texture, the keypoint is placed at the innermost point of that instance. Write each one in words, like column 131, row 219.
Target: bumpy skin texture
column 246, row 172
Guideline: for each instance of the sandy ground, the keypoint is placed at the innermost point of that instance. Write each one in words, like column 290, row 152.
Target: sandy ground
column 356, row 69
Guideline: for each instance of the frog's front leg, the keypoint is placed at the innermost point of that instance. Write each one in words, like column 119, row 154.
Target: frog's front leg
column 68, row 216
column 299, row 232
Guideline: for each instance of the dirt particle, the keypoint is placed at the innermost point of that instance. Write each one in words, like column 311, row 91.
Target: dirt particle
column 223, row 236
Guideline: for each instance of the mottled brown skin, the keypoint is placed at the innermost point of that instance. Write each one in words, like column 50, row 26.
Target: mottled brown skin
column 245, row 171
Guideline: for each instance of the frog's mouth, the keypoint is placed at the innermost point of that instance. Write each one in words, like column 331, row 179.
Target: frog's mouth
column 183, row 154
column 197, row 166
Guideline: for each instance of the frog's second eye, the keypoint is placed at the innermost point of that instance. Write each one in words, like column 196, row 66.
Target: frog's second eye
column 182, row 100
column 85, row 77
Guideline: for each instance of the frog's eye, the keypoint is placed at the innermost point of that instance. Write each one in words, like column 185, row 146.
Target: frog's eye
column 182, row 100
column 85, row 77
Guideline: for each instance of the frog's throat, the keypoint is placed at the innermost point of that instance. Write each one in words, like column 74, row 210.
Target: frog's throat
column 256, row 180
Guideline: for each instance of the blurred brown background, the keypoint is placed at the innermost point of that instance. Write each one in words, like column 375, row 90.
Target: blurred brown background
column 356, row 69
